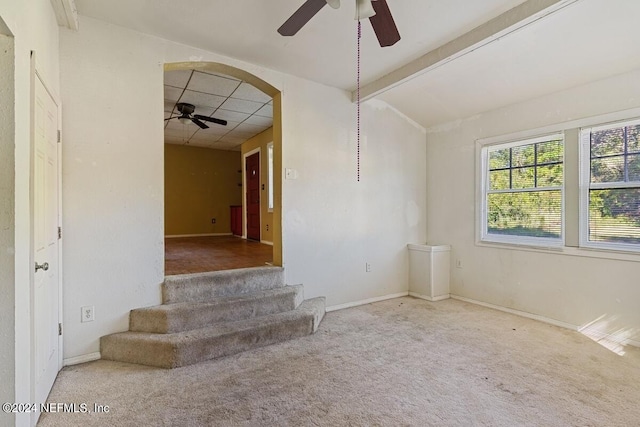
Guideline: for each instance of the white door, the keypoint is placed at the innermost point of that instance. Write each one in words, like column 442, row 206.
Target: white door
column 46, row 292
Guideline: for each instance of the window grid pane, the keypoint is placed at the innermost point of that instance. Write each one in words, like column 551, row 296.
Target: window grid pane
column 614, row 215
column 530, row 213
column 614, row 212
column 535, row 173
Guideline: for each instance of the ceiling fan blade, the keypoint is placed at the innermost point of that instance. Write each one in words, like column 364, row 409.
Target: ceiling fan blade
column 211, row 119
column 301, row 16
column 383, row 24
column 199, row 123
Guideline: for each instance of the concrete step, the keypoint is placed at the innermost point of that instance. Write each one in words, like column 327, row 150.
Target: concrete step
column 189, row 347
column 178, row 317
column 203, row 287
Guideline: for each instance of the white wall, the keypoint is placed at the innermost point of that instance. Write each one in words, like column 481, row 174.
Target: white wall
column 334, row 225
column 572, row 289
column 113, row 182
column 34, row 27
column 7, row 224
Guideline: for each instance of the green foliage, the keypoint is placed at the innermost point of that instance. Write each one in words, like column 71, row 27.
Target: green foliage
column 526, row 167
column 615, row 158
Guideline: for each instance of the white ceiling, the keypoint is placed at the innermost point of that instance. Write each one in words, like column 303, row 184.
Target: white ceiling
column 588, row 40
column 247, row 110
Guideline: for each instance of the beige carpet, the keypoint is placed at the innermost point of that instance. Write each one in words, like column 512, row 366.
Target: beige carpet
column 398, row 362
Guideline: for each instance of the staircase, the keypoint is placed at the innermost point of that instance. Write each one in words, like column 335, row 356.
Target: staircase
column 209, row 315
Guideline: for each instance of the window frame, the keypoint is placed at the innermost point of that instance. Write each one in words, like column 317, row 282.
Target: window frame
column 484, row 191
column 586, row 185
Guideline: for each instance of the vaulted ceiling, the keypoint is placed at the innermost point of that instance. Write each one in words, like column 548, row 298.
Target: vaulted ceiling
column 457, row 58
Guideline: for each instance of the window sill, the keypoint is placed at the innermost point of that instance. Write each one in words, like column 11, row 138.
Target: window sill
column 565, row 250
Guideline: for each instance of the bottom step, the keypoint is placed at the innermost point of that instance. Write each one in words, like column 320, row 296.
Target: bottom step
column 189, row 347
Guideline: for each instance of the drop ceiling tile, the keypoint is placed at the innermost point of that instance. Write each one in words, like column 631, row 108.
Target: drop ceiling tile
column 246, row 127
column 249, row 92
column 232, row 139
column 215, row 85
column 233, row 116
column 219, row 75
column 265, row 111
column 205, row 135
column 172, row 93
column 241, row 106
column 259, row 121
column 242, row 134
column 201, row 100
column 177, row 78
column 169, row 105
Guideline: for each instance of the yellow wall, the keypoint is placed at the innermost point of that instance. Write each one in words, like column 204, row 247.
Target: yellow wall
column 200, row 184
column 260, row 141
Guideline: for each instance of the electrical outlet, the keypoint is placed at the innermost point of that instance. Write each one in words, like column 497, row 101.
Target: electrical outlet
column 367, row 267
column 87, row 313
column 458, row 263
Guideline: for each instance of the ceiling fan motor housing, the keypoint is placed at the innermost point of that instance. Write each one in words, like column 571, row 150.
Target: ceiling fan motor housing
column 185, row 109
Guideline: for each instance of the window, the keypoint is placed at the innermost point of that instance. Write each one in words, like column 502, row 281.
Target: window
column 270, row 174
column 522, row 192
column 610, row 186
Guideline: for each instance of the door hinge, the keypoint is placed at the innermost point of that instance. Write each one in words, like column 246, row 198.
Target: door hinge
column 59, row 329
column 59, row 233
column 59, row 136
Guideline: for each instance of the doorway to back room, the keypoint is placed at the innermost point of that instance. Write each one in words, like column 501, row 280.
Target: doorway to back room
column 219, row 128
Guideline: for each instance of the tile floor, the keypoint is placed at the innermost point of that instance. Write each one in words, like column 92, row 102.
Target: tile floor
column 185, row 255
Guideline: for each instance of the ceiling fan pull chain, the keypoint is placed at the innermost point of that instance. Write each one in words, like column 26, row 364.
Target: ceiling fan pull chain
column 358, row 97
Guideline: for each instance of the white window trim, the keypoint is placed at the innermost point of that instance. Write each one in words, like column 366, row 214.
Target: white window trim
column 586, row 185
column 484, row 236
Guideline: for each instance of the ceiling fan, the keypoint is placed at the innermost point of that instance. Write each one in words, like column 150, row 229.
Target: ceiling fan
column 186, row 111
column 376, row 10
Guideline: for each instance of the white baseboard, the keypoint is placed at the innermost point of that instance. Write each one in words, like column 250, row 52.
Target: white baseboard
column 428, row 298
column 544, row 319
column 266, row 242
column 81, row 359
column 365, row 301
column 173, row 236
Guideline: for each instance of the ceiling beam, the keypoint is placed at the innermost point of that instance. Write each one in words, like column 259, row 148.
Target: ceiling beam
column 508, row 22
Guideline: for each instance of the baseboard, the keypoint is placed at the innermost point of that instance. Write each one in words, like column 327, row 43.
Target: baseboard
column 266, row 242
column 610, row 337
column 173, row 236
column 365, row 301
column 81, row 359
column 432, row 299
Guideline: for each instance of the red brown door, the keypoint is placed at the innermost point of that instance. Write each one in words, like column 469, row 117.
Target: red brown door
column 252, row 168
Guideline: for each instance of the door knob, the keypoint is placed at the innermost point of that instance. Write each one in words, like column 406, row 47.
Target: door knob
column 44, row 266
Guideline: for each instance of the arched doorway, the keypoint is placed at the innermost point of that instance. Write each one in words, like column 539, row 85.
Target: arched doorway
column 230, row 107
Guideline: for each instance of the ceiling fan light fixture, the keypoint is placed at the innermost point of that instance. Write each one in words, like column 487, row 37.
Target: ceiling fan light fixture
column 184, row 120
column 364, row 9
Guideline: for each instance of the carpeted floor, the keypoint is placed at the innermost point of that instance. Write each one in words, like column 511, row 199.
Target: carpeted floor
column 402, row 362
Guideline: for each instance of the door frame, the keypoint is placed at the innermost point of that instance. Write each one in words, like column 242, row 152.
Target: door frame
column 244, row 190
column 36, row 73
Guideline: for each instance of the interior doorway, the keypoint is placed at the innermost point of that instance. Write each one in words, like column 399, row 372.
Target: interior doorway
column 252, row 200
column 228, row 111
